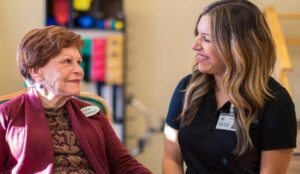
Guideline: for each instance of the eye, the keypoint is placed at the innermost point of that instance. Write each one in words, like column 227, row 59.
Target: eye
column 68, row 61
column 206, row 39
column 79, row 62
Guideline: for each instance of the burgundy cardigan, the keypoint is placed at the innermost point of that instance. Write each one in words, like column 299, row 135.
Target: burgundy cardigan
column 26, row 144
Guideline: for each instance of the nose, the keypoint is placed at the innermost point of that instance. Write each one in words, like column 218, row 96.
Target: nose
column 78, row 70
column 197, row 45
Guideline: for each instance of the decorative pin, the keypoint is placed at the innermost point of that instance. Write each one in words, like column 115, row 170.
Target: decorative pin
column 90, row 110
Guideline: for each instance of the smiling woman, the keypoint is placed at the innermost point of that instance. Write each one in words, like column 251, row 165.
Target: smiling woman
column 229, row 115
column 207, row 56
column 55, row 131
column 61, row 76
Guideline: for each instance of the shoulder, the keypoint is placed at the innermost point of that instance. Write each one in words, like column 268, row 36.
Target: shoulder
column 178, row 93
column 280, row 103
column 12, row 107
column 176, row 103
column 80, row 103
column 12, row 102
column 181, row 86
column 278, row 121
column 87, row 109
column 183, row 83
column 280, row 94
column 274, row 85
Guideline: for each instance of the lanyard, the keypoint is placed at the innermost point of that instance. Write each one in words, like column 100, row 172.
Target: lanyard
column 232, row 110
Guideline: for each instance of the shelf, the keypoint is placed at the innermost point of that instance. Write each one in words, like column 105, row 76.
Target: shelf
column 92, row 33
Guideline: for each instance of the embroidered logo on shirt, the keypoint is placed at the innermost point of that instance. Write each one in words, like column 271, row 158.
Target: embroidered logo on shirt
column 90, row 110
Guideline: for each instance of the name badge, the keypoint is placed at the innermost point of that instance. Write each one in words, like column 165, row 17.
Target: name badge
column 226, row 120
column 90, row 110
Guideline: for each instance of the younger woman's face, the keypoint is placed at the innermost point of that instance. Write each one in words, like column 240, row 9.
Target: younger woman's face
column 207, row 57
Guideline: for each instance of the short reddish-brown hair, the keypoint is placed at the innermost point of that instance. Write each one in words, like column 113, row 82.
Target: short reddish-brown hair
column 40, row 45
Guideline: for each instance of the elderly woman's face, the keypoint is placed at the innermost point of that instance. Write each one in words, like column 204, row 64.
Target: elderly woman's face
column 62, row 74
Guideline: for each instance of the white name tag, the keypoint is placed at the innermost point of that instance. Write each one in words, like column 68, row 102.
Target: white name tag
column 226, row 122
column 90, row 110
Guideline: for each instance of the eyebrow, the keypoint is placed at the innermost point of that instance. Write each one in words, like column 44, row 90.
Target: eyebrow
column 203, row 34
column 67, row 54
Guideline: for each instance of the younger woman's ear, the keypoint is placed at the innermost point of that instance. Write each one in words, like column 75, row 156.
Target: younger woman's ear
column 36, row 74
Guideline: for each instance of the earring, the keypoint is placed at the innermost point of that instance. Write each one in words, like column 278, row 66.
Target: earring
column 41, row 86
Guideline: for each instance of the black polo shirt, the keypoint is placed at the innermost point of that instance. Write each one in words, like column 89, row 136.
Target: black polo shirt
column 207, row 150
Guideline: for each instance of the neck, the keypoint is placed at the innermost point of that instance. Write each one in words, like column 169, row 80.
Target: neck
column 220, row 93
column 49, row 99
column 219, row 84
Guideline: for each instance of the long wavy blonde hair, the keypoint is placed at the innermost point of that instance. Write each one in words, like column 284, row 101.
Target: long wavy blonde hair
column 242, row 38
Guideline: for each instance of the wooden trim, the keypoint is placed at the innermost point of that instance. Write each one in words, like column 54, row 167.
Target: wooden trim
column 293, row 41
column 285, row 81
column 289, row 16
column 283, row 64
column 84, row 94
column 97, row 97
column 12, row 95
column 282, row 51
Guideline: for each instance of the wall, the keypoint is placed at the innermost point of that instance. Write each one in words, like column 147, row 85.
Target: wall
column 1, row 44
column 159, row 39
column 160, row 35
column 17, row 18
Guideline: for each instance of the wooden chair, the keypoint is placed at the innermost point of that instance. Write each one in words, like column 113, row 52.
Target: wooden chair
column 86, row 96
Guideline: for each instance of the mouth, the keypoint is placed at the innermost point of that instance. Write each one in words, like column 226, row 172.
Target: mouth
column 74, row 81
column 201, row 57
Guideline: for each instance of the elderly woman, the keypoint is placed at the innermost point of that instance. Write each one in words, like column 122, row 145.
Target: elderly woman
column 44, row 130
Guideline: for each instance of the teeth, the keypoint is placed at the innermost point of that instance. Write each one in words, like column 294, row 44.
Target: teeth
column 203, row 57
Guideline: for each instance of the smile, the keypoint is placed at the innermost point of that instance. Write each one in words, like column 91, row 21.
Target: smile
column 74, row 81
column 202, row 57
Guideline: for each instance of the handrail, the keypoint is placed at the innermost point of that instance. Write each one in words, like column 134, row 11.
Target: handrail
column 283, row 64
column 12, row 95
column 292, row 41
column 288, row 16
